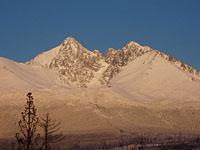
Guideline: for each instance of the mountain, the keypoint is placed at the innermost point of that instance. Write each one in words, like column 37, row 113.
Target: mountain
column 75, row 64
column 71, row 61
column 132, row 89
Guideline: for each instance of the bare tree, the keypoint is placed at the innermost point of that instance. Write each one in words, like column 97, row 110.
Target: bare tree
column 27, row 138
column 50, row 130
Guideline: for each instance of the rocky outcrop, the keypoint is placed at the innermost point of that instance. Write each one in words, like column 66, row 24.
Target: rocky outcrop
column 75, row 63
column 119, row 58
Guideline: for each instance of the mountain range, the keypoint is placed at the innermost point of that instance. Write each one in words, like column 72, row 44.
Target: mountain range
column 132, row 89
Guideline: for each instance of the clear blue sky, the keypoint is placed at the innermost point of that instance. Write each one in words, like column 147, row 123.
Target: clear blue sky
column 28, row 27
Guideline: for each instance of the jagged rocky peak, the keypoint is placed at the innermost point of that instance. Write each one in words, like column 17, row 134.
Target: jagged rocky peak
column 135, row 48
column 68, row 47
column 73, row 52
column 119, row 58
column 127, row 53
column 73, row 47
column 72, row 61
column 132, row 44
column 69, row 40
column 75, row 63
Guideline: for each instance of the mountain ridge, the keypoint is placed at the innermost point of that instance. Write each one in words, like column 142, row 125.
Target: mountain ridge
column 90, row 61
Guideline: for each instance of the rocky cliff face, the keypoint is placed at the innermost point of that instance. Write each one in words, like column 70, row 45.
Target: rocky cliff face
column 119, row 58
column 72, row 62
column 76, row 65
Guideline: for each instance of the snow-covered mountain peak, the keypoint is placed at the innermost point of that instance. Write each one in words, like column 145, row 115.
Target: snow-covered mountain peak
column 70, row 41
column 135, row 47
column 132, row 44
column 72, row 62
column 73, row 47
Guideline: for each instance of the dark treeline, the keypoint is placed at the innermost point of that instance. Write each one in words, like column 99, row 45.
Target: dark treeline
column 128, row 142
column 133, row 141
